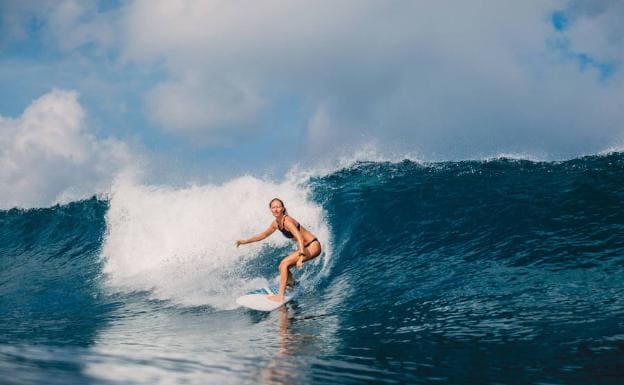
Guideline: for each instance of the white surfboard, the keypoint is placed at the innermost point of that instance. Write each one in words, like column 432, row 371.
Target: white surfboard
column 258, row 300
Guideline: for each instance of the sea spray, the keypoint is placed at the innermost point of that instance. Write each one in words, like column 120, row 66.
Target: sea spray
column 178, row 243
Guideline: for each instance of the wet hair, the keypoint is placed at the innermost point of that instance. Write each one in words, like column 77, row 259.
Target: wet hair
column 285, row 212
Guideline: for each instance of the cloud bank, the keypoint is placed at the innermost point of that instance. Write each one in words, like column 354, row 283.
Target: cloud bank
column 47, row 155
column 443, row 80
column 451, row 79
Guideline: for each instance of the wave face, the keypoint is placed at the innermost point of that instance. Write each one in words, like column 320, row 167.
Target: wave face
column 50, row 268
column 500, row 271
column 475, row 268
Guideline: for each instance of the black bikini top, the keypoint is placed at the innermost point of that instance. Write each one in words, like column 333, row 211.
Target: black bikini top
column 287, row 233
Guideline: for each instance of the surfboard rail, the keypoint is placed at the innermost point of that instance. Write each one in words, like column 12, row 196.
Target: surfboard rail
column 257, row 300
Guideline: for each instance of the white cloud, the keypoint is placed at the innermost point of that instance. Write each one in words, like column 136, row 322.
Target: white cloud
column 596, row 28
column 47, row 154
column 450, row 78
column 190, row 106
column 446, row 79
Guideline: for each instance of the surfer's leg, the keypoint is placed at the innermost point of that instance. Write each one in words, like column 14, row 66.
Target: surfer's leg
column 284, row 267
column 290, row 281
column 312, row 251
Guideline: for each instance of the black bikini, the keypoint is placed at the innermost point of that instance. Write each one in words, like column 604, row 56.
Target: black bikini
column 289, row 235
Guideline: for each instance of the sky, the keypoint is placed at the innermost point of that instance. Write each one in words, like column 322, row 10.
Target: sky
column 189, row 91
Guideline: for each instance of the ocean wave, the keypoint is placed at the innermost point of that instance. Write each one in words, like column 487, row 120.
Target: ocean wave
column 503, row 250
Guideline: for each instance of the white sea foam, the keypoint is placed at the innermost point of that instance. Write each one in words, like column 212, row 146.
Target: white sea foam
column 616, row 147
column 516, row 156
column 178, row 243
column 369, row 152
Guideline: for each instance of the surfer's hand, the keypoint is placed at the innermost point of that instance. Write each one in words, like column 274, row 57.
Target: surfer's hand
column 240, row 242
column 300, row 263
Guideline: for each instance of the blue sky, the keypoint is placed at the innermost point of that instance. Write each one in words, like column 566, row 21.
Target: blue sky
column 209, row 90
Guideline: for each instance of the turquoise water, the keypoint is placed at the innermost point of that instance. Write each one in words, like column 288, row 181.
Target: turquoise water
column 481, row 272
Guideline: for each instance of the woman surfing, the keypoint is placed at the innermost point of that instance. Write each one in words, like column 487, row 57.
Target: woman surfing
column 308, row 246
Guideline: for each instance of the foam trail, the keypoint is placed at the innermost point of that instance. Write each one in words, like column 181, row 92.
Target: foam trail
column 178, row 243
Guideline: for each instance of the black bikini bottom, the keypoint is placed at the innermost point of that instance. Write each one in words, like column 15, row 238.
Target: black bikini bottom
column 311, row 242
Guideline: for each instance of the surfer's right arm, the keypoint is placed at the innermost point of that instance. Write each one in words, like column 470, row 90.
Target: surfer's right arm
column 260, row 236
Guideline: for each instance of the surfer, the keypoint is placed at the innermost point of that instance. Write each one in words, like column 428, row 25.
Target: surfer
column 308, row 246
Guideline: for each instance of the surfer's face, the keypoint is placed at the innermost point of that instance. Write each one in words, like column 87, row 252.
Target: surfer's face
column 276, row 208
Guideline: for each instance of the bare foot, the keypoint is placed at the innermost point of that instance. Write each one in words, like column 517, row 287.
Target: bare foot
column 276, row 298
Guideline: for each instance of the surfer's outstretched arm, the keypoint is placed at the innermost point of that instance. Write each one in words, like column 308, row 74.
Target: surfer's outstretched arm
column 270, row 230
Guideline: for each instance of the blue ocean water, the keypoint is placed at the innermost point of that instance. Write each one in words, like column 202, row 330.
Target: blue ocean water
column 476, row 272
